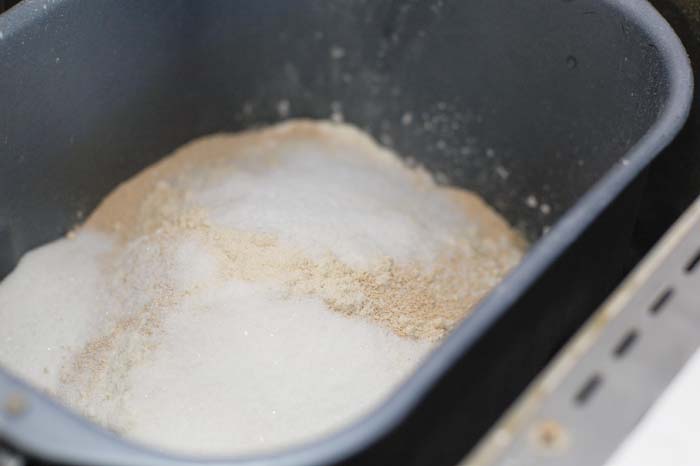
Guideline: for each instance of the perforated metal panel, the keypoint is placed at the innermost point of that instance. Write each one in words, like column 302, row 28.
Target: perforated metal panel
column 598, row 388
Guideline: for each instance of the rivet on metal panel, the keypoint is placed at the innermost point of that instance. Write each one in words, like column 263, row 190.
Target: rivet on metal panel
column 15, row 405
column 549, row 437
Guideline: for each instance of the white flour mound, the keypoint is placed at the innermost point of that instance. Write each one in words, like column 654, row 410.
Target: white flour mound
column 251, row 291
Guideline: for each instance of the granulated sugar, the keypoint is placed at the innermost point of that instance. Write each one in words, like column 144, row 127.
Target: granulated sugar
column 251, row 291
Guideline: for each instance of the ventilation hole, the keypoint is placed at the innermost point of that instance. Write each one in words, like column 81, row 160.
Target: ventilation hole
column 626, row 343
column 661, row 301
column 588, row 389
column 692, row 264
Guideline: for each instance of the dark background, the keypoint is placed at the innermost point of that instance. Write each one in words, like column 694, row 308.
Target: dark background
column 5, row 4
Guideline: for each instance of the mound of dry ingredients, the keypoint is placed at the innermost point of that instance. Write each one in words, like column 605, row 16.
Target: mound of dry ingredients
column 251, row 291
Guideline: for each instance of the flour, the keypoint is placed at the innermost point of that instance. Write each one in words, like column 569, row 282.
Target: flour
column 251, row 291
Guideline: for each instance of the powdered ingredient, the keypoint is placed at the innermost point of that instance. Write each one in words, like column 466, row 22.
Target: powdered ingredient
column 252, row 291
